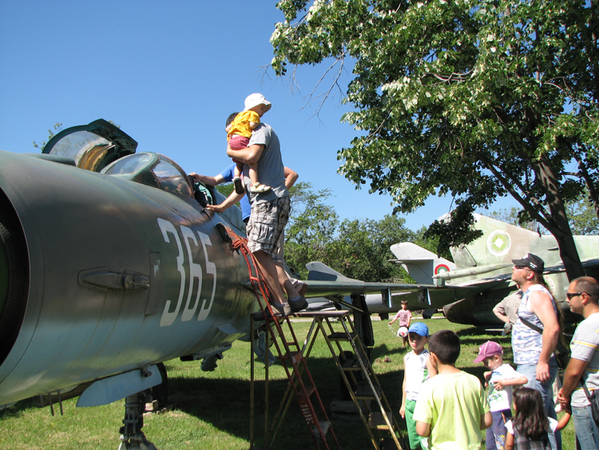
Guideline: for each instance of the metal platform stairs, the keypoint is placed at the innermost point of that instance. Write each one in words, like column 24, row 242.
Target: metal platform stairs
column 354, row 367
column 355, row 370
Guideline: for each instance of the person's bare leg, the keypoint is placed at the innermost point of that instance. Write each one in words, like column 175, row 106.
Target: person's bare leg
column 285, row 282
column 270, row 272
column 296, row 300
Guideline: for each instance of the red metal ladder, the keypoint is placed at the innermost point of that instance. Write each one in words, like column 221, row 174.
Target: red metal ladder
column 293, row 361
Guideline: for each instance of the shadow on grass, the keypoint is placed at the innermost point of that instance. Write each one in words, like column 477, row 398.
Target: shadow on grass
column 225, row 403
column 475, row 337
column 382, row 350
column 17, row 410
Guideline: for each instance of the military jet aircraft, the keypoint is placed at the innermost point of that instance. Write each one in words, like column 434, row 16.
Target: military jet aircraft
column 110, row 264
column 485, row 266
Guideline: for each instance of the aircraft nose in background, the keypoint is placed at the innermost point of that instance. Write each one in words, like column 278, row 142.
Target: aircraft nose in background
column 14, row 276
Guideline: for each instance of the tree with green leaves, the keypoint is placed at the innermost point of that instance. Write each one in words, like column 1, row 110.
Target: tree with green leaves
column 357, row 249
column 362, row 248
column 581, row 214
column 311, row 229
column 57, row 128
column 476, row 99
column 583, row 219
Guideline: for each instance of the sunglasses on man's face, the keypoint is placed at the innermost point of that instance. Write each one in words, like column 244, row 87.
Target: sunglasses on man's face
column 571, row 295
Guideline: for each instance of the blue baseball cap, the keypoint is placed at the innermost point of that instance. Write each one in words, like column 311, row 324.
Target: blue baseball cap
column 419, row 328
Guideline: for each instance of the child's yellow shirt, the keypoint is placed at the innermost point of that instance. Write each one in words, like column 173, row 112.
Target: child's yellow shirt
column 241, row 124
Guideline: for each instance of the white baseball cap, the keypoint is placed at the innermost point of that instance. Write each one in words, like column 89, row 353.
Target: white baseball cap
column 255, row 100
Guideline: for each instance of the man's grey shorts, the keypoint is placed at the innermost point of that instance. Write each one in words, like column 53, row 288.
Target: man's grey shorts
column 266, row 226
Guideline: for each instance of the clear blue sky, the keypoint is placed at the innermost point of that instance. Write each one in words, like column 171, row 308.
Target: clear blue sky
column 169, row 73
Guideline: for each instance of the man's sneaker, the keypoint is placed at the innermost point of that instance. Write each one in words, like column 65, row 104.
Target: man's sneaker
column 238, row 185
column 297, row 304
column 259, row 188
column 283, row 309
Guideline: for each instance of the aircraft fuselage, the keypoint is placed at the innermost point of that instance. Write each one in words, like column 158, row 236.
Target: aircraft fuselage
column 100, row 275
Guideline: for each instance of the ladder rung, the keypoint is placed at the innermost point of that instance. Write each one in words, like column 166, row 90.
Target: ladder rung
column 376, row 420
column 351, row 365
column 340, row 336
column 324, row 426
column 309, row 391
column 364, row 392
column 294, row 357
column 291, row 344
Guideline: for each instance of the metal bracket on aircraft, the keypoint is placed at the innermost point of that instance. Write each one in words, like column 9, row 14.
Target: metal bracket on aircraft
column 209, row 353
column 343, row 301
column 102, row 279
column 108, row 390
column 424, row 297
column 224, row 233
column 387, row 301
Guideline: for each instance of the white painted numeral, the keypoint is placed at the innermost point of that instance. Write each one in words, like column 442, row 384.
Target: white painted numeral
column 168, row 317
column 210, row 269
column 195, row 272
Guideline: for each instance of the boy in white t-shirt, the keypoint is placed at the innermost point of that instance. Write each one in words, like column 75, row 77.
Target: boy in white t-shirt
column 501, row 379
column 415, row 373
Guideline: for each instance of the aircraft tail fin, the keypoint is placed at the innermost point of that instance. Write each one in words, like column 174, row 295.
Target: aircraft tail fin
column 420, row 263
column 322, row 272
column 500, row 243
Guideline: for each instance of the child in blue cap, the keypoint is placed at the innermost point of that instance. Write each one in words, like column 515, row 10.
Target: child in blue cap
column 415, row 373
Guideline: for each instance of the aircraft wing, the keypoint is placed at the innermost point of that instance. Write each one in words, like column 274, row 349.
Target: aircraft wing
column 326, row 282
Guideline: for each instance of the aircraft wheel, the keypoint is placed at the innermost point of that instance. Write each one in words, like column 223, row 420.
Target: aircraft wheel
column 428, row 313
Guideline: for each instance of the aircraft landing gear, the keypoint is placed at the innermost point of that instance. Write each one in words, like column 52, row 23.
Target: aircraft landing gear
column 131, row 435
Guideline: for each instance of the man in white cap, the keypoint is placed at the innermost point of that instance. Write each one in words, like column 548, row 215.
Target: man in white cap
column 270, row 211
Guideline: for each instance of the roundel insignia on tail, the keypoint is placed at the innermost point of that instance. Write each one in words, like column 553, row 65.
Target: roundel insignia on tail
column 441, row 268
column 499, row 243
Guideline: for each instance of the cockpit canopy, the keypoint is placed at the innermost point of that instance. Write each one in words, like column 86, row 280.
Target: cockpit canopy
column 152, row 169
column 102, row 147
column 93, row 146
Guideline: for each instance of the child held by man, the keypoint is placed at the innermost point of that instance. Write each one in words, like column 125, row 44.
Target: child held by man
column 415, row 373
column 452, row 408
column 501, row 379
column 239, row 131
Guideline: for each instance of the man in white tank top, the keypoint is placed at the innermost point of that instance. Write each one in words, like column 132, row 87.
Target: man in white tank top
column 533, row 351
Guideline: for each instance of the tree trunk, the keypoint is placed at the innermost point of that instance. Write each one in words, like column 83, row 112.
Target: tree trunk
column 558, row 222
column 569, row 255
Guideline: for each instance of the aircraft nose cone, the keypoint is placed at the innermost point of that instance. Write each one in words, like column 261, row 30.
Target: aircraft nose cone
column 14, row 276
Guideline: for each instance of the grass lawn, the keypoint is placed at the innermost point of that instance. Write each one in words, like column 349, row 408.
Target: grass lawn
column 211, row 410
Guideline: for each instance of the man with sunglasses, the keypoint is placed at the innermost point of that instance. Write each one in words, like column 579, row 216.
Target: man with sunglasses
column 533, row 351
column 583, row 295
